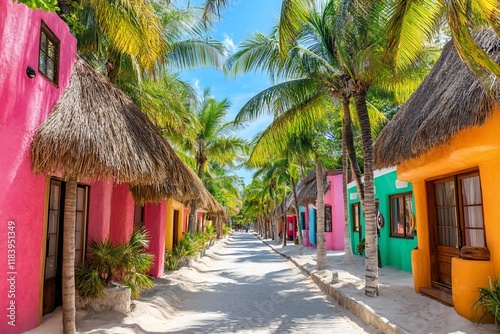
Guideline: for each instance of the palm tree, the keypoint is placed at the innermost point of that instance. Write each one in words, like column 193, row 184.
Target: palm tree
column 226, row 188
column 352, row 35
column 144, row 38
column 414, row 23
column 276, row 169
column 313, row 78
column 212, row 139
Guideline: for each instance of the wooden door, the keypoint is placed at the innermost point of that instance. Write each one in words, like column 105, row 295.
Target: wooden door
column 53, row 249
column 175, row 241
column 445, row 230
column 52, row 281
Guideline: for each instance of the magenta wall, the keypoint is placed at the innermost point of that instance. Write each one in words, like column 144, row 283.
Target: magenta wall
column 291, row 231
column 24, row 104
column 335, row 239
column 155, row 217
column 122, row 214
column 99, row 210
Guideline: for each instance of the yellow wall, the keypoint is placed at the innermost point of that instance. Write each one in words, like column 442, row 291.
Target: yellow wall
column 478, row 147
column 169, row 233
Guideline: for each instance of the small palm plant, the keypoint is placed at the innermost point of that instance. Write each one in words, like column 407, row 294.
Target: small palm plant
column 106, row 263
column 489, row 301
column 186, row 249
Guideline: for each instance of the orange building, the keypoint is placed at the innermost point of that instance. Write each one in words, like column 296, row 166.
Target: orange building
column 446, row 141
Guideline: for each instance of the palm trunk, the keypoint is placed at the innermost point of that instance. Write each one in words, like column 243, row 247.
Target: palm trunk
column 371, row 275
column 299, row 227
column 347, row 230
column 284, row 229
column 68, row 265
column 218, row 227
column 348, row 139
column 320, row 219
column 192, row 217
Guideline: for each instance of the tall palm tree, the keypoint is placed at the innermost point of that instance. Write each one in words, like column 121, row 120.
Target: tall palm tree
column 311, row 69
column 276, row 169
column 213, row 139
column 413, row 23
column 144, row 38
column 353, row 34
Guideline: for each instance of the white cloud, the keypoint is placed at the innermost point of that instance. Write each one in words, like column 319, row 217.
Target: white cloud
column 229, row 44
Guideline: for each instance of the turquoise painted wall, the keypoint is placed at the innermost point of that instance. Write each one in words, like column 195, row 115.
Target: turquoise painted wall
column 394, row 252
column 312, row 225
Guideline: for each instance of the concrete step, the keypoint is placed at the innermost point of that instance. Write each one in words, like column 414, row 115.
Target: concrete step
column 438, row 295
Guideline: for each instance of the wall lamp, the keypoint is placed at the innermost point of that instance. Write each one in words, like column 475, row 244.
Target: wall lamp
column 30, row 72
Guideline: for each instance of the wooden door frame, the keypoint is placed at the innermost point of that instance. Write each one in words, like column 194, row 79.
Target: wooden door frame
column 48, row 181
column 432, row 219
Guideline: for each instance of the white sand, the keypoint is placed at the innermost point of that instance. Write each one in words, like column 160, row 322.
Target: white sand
column 398, row 302
column 151, row 312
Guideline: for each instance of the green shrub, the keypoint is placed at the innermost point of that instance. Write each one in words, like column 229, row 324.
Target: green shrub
column 361, row 246
column 225, row 229
column 489, row 301
column 171, row 260
column 188, row 248
column 106, row 263
column 210, row 233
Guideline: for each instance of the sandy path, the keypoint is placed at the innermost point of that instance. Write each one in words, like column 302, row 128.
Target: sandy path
column 240, row 286
column 246, row 288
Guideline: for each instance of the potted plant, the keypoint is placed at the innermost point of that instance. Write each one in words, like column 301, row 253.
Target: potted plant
column 109, row 266
column 489, row 301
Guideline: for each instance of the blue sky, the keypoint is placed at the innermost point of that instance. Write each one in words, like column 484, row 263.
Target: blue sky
column 240, row 19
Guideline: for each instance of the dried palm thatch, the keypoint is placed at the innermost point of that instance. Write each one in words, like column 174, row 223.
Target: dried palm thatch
column 212, row 206
column 449, row 100
column 309, row 191
column 190, row 188
column 181, row 192
column 96, row 132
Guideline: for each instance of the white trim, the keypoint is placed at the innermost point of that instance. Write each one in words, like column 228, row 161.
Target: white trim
column 400, row 184
column 376, row 173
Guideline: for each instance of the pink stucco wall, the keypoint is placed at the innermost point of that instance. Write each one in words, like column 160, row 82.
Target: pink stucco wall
column 122, row 214
column 155, row 215
column 24, row 104
column 335, row 239
column 291, row 220
column 99, row 210
column 187, row 211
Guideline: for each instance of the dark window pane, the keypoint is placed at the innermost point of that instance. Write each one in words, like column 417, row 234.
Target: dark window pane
column 445, row 194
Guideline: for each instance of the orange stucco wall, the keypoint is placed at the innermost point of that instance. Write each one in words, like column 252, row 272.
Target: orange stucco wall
column 477, row 147
column 169, row 232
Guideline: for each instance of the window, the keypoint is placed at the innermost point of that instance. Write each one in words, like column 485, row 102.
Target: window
column 81, row 222
column 356, row 222
column 328, row 218
column 459, row 211
column 303, row 221
column 48, row 59
column 402, row 216
column 138, row 216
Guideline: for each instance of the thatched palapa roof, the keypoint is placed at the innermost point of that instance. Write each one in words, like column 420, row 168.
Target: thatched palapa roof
column 193, row 188
column 449, row 100
column 309, row 192
column 96, row 132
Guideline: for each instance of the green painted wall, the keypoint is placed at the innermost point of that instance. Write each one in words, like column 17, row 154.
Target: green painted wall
column 394, row 252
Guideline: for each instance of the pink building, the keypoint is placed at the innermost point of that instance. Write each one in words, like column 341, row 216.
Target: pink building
column 334, row 210
column 37, row 56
